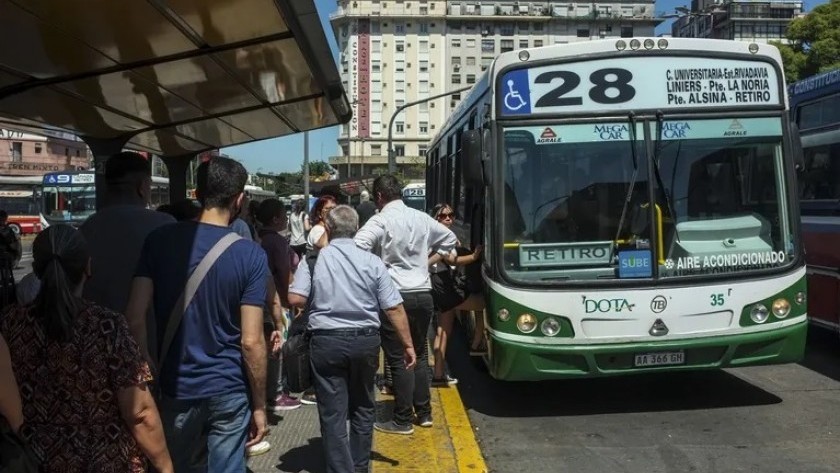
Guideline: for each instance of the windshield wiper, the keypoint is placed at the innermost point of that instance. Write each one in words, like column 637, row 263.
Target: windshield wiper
column 657, row 150
column 632, row 119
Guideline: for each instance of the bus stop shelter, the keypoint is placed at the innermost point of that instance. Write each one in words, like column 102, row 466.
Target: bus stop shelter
column 174, row 78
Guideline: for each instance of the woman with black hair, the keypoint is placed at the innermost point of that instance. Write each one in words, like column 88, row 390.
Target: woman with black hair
column 83, row 382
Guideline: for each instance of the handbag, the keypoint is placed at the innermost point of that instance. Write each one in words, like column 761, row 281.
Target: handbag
column 15, row 454
column 295, row 351
column 186, row 297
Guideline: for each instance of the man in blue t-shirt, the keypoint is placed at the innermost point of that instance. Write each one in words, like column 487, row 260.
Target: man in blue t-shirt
column 212, row 380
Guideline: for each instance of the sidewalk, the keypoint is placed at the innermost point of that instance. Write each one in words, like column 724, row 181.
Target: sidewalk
column 448, row 447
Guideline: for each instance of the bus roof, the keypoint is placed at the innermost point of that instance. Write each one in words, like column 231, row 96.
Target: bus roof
column 815, row 86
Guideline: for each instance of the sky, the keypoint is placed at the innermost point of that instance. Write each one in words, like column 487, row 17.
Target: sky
column 286, row 154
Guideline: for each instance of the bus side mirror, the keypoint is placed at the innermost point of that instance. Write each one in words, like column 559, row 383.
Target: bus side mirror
column 471, row 153
column 796, row 146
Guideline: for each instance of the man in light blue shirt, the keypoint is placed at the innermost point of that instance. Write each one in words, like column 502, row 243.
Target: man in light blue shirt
column 352, row 287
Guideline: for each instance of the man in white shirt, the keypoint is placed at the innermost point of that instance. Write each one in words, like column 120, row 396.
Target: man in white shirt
column 404, row 237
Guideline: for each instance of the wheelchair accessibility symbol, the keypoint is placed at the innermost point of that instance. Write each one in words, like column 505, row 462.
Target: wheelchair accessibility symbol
column 516, row 97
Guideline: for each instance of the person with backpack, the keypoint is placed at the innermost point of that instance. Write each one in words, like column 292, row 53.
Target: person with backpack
column 344, row 294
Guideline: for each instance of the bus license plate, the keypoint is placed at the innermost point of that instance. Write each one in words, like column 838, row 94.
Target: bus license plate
column 660, row 359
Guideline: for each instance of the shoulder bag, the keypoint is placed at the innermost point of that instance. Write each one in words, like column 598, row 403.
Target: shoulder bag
column 190, row 289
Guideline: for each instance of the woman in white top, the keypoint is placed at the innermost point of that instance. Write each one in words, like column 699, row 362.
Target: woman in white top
column 317, row 238
column 298, row 226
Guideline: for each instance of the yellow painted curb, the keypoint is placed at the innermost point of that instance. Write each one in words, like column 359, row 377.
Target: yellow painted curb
column 467, row 453
column 447, row 447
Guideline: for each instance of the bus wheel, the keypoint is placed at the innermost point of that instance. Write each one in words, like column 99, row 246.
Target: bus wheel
column 16, row 228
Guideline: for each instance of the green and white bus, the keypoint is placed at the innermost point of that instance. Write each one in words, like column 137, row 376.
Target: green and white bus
column 635, row 199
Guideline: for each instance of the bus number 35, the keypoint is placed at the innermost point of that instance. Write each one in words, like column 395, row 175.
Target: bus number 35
column 602, row 81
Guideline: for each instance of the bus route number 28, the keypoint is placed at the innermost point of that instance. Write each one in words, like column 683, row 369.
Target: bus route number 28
column 614, row 80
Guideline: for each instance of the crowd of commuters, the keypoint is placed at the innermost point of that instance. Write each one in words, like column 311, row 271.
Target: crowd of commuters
column 153, row 338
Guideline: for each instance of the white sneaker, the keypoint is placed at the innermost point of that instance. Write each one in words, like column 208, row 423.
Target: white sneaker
column 258, row 449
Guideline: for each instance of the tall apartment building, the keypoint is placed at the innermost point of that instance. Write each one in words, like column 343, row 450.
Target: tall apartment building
column 739, row 20
column 392, row 52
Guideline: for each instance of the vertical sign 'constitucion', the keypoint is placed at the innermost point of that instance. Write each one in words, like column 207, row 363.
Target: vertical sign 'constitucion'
column 363, row 84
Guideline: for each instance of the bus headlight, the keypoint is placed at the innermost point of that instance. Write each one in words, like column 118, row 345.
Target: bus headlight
column 635, row 44
column 799, row 298
column 649, row 43
column 550, row 327
column 620, row 45
column 526, row 323
column 759, row 313
column 662, row 43
column 781, row 308
column 503, row 314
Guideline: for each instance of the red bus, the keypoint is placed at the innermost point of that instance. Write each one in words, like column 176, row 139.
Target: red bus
column 20, row 197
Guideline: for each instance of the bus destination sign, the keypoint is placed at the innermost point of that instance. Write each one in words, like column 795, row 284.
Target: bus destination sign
column 638, row 83
column 565, row 254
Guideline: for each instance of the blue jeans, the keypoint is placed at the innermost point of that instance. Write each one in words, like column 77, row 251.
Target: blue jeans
column 207, row 435
column 344, row 370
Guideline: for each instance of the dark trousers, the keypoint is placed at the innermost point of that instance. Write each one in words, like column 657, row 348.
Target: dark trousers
column 411, row 388
column 344, row 365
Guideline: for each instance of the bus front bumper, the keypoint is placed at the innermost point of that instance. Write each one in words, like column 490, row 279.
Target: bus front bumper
column 516, row 361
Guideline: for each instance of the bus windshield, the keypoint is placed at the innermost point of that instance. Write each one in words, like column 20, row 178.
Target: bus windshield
column 577, row 199
column 69, row 204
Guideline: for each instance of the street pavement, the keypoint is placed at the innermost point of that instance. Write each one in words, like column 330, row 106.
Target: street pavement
column 760, row 419
column 25, row 266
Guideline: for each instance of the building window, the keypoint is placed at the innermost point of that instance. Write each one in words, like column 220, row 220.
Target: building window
column 538, row 26
column 626, row 31
column 399, row 28
column 399, row 66
column 583, row 33
column 376, row 127
column 17, row 151
column 38, row 148
column 470, row 78
column 424, row 10
column 538, row 43
column 424, row 87
column 400, row 47
column 376, row 150
column 421, row 150
column 345, row 150
column 375, row 66
column 507, row 45
column 376, row 46
column 374, row 27
column 455, row 43
column 424, row 128
column 506, row 29
column 424, row 28
column 399, row 150
column 424, row 46
column 424, row 66
column 471, row 61
column 400, row 127
column 400, row 87
column 424, row 107
column 456, row 61
column 77, row 153
column 523, row 43
column 456, row 78
column 488, row 46
column 471, row 43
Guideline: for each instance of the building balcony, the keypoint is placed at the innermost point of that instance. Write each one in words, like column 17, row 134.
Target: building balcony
column 369, row 11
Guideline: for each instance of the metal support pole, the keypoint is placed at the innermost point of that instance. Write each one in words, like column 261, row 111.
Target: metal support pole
column 392, row 159
column 306, row 170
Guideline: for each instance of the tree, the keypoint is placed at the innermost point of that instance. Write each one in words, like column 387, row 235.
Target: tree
column 317, row 169
column 814, row 42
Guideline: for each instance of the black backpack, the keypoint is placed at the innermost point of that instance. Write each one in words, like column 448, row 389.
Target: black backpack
column 295, row 351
